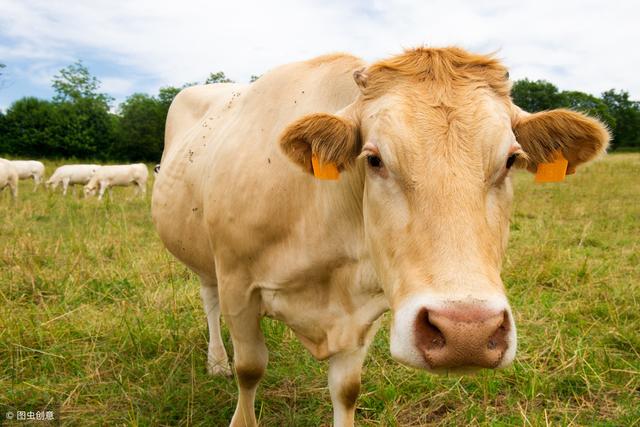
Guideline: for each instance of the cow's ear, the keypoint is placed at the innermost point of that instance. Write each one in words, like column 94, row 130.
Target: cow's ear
column 333, row 139
column 578, row 137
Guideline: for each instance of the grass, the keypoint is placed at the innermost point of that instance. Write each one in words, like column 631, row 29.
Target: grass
column 100, row 323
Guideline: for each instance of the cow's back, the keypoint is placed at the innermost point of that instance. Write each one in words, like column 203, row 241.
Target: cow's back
column 224, row 181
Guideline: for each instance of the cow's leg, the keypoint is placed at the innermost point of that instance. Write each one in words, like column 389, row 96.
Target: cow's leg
column 14, row 189
column 242, row 315
column 103, row 187
column 141, row 188
column 250, row 359
column 344, row 385
column 65, row 185
column 217, row 359
column 36, row 181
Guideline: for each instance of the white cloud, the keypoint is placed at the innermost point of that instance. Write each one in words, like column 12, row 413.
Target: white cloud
column 582, row 45
column 117, row 86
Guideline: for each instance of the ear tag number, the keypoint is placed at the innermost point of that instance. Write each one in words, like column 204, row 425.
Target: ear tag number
column 554, row 171
column 328, row 171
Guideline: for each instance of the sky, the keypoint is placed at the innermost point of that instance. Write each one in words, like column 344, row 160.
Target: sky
column 142, row 45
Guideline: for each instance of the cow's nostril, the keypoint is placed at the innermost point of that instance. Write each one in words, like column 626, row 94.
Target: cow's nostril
column 428, row 334
column 499, row 338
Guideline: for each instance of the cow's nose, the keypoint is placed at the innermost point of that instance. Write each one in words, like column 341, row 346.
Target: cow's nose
column 462, row 336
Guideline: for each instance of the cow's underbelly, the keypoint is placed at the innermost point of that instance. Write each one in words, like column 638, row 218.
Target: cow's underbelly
column 177, row 211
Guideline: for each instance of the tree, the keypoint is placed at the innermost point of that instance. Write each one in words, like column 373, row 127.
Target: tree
column 588, row 104
column 626, row 114
column 141, row 128
column 253, row 78
column 535, row 96
column 75, row 82
column 27, row 128
column 218, row 77
column 83, row 125
column 83, row 129
column 166, row 95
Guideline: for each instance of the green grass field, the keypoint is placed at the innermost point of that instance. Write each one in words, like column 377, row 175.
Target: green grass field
column 100, row 323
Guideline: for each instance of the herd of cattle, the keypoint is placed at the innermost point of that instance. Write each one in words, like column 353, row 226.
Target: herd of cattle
column 93, row 177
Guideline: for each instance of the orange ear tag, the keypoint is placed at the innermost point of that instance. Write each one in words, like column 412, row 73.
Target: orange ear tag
column 554, row 171
column 324, row 170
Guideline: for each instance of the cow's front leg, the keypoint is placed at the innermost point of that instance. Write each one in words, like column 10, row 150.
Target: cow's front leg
column 103, row 188
column 14, row 189
column 344, row 385
column 142, row 188
column 250, row 355
column 217, row 360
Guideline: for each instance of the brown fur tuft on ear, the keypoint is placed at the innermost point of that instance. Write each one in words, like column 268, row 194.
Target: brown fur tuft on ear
column 580, row 138
column 331, row 138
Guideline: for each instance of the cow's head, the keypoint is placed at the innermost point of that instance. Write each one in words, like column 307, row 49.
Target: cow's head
column 90, row 188
column 438, row 135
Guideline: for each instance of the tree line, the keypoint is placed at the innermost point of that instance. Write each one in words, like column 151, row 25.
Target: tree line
column 78, row 121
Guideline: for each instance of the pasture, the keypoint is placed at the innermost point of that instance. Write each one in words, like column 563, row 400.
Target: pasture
column 99, row 322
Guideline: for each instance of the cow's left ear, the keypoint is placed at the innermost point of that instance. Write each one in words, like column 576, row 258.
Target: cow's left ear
column 333, row 139
column 580, row 138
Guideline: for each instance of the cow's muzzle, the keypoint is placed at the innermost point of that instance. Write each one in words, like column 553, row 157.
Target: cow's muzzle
column 454, row 335
column 461, row 337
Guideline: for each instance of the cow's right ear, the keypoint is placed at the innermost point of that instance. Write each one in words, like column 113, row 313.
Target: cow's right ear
column 333, row 139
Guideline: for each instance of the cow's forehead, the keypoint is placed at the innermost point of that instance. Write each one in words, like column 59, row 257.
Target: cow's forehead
column 416, row 131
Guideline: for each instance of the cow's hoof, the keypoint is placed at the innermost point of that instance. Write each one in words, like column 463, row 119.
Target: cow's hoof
column 219, row 369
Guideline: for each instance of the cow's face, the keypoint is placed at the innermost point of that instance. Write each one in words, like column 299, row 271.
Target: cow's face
column 439, row 136
column 89, row 189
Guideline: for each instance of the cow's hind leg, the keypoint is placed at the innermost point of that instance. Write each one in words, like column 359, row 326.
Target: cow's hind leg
column 241, row 312
column 217, row 360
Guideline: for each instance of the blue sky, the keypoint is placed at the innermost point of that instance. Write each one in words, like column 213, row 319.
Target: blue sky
column 142, row 45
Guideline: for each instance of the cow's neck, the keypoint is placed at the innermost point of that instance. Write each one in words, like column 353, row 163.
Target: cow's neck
column 332, row 297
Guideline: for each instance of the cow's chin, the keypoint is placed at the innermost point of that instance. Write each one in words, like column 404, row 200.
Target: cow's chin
column 405, row 349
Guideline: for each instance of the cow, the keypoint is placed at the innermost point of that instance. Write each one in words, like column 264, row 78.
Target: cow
column 71, row 174
column 30, row 169
column 9, row 177
column 118, row 175
column 423, row 145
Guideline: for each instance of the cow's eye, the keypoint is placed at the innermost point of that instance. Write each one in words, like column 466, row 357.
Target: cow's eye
column 374, row 161
column 511, row 160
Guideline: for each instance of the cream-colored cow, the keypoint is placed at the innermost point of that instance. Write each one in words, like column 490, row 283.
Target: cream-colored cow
column 8, row 177
column 417, row 223
column 30, row 169
column 71, row 174
column 117, row 175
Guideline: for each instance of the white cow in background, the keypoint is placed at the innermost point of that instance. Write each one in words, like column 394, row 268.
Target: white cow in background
column 71, row 174
column 117, row 175
column 8, row 177
column 29, row 169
